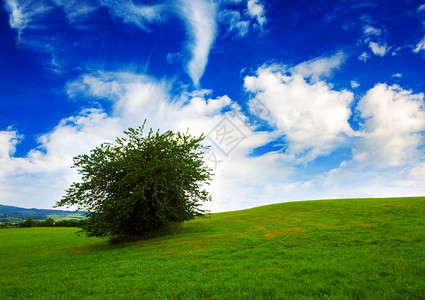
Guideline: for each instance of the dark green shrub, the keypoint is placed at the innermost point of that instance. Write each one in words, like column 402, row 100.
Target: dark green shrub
column 29, row 223
column 67, row 223
column 48, row 223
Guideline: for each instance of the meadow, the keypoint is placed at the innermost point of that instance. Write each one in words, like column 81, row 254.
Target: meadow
column 330, row 249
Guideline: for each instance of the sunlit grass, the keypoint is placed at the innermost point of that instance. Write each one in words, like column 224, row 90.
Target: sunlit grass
column 337, row 249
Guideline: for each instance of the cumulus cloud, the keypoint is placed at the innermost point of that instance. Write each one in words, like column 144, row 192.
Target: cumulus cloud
column 236, row 24
column 393, row 121
column 421, row 8
column 256, row 10
column 375, row 39
column 240, row 17
column 200, row 19
column 364, row 57
column 378, row 49
column 354, row 84
column 312, row 117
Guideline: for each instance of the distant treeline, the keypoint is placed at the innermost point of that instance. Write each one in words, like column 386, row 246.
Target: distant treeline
column 46, row 223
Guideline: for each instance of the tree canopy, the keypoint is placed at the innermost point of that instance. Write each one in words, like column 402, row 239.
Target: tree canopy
column 140, row 183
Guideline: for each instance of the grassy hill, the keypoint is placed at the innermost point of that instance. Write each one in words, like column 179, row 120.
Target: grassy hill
column 15, row 214
column 334, row 249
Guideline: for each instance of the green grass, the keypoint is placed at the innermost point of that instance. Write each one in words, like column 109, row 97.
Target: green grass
column 335, row 249
column 67, row 216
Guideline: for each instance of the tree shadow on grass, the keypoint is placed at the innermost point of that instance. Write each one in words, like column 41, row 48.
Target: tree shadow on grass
column 170, row 231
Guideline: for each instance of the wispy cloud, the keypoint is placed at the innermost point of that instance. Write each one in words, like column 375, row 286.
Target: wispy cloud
column 77, row 10
column 321, row 67
column 21, row 13
column 200, row 19
column 139, row 15
column 17, row 18
column 420, row 46
column 370, row 30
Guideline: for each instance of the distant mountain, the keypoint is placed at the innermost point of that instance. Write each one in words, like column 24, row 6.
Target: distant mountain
column 15, row 214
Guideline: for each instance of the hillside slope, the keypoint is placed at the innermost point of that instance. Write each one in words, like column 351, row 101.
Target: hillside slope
column 15, row 214
column 334, row 249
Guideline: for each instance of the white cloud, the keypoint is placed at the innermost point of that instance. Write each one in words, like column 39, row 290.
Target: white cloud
column 391, row 133
column 256, row 11
column 395, row 51
column 239, row 20
column 139, row 15
column 39, row 178
column 378, row 49
column 370, row 30
column 17, row 19
column 364, row 57
column 200, row 19
column 234, row 21
column 421, row 8
column 312, row 117
column 109, row 85
column 76, row 10
column 420, row 46
column 174, row 57
column 199, row 16
column 375, row 39
column 8, row 141
column 21, row 13
column 321, row 67
column 354, row 84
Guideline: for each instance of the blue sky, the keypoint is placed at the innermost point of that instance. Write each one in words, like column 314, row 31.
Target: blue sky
column 299, row 99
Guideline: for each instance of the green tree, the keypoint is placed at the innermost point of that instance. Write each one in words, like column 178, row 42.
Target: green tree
column 140, row 183
column 29, row 223
column 48, row 223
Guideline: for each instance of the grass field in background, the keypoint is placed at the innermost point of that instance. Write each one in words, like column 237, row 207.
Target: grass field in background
column 333, row 249
column 68, row 216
